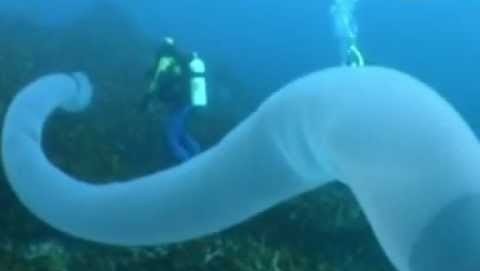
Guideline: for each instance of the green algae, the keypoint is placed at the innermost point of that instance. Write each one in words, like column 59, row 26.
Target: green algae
column 320, row 231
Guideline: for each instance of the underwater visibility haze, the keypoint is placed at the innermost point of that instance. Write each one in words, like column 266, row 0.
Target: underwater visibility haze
column 338, row 135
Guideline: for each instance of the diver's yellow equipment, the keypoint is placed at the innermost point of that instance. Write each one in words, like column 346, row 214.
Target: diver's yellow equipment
column 198, row 82
column 163, row 64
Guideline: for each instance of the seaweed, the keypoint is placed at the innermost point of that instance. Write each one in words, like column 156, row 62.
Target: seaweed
column 324, row 230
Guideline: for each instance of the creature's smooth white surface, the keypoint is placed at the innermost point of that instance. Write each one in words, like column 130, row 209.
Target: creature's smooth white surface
column 407, row 155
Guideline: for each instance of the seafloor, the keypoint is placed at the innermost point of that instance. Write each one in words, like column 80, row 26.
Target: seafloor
column 321, row 231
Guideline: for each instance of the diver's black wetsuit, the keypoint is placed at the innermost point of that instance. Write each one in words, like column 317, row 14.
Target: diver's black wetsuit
column 169, row 84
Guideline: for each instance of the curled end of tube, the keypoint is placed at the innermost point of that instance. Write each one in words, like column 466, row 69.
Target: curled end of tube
column 82, row 95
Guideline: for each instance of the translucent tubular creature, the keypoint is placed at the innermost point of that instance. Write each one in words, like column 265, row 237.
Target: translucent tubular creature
column 346, row 30
column 408, row 156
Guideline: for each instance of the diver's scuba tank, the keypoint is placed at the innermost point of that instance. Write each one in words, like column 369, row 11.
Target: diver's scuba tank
column 198, row 82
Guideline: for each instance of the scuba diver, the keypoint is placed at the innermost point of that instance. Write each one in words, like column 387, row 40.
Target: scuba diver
column 346, row 29
column 177, row 80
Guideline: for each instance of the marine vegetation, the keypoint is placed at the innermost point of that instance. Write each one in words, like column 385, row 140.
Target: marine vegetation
column 323, row 230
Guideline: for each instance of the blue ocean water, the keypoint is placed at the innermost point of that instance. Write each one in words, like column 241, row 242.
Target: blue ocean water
column 267, row 44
